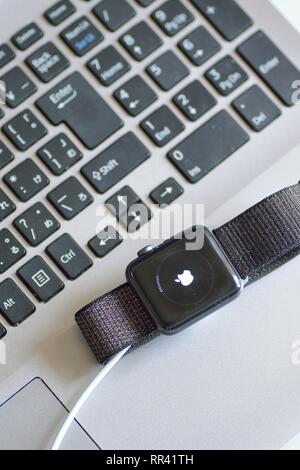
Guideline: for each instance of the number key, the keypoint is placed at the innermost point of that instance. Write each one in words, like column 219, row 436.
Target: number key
column 108, row 66
column 199, row 46
column 226, row 76
column 172, row 17
column 167, row 70
column 194, row 100
column 140, row 41
column 162, row 126
column 11, row 251
column 135, row 95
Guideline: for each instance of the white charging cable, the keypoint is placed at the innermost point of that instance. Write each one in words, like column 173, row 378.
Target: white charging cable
column 85, row 396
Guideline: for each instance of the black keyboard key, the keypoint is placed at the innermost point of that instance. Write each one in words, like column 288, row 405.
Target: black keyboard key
column 271, row 65
column 199, row 46
column 167, row 192
column 140, row 41
column 2, row 114
column 226, row 16
column 24, row 130
column 70, row 198
column 81, row 36
column 116, row 162
column 108, row 66
column 15, row 307
column 208, row 146
column 5, row 155
column 18, row 87
column 74, row 102
column 162, row 126
column 6, row 205
column 11, row 251
column 26, row 180
column 114, row 13
column 194, row 100
column 145, row 3
column 172, row 16
column 39, row 278
column 256, row 108
column 47, row 62
column 106, row 241
column 226, row 76
column 59, row 12
column 59, row 154
column 129, row 209
column 6, row 54
column 167, row 70
column 36, row 224
column 69, row 257
column 3, row 331
column 28, row 35
column 135, row 95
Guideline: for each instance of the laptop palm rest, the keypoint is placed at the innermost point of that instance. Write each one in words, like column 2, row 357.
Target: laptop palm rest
column 30, row 419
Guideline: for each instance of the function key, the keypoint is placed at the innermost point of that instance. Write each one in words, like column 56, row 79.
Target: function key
column 272, row 66
column 3, row 331
column 114, row 13
column 27, row 36
column 60, row 12
column 145, row 3
column 39, row 278
column 194, row 100
column 256, row 108
column 59, row 154
column 70, row 198
column 81, row 36
column 166, row 193
column 11, row 251
column 129, row 209
column 116, row 162
column 140, row 41
column 106, row 241
column 15, row 307
column 227, row 17
column 36, row 224
column 6, row 206
column 24, row 130
column 208, row 146
column 5, row 155
column 226, row 76
column 172, row 17
column 167, row 70
column 18, row 87
column 108, row 66
column 65, row 102
column 26, row 180
column 199, row 46
column 69, row 257
column 47, row 62
column 135, row 95
column 6, row 54
column 162, row 126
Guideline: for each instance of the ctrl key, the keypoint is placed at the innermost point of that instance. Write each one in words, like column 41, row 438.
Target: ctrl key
column 69, row 257
column 15, row 307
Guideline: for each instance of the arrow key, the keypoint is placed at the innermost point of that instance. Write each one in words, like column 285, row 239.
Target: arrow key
column 166, row 193
column 105, row 242
column 18, row 87
column 194, row 100
column 135, row 95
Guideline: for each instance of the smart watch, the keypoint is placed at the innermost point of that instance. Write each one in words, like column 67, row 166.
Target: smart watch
column 176, row 284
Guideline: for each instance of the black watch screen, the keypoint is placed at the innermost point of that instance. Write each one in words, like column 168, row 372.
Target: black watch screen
column 180, row 282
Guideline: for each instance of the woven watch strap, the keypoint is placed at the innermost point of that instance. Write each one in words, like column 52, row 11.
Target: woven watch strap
column 256, row 242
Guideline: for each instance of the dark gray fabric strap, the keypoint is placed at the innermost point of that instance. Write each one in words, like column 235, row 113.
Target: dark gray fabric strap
column 256, row 242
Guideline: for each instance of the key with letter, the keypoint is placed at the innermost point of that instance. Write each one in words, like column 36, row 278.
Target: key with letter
column 78, row 105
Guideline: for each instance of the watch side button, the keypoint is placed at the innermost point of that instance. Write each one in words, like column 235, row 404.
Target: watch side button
column 145, row 250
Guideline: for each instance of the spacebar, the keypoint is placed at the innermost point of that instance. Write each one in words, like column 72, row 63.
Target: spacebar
column 75, row 103
column 208, row 146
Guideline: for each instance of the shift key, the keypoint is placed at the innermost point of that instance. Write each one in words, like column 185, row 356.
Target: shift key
column 208, row 146
column 272, row 66
column 116, row 162
column 75, row 103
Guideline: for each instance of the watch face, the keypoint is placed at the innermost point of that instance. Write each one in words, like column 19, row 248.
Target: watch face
column 179, row 286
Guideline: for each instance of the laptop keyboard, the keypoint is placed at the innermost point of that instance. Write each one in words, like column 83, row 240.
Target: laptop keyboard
column 77, row 104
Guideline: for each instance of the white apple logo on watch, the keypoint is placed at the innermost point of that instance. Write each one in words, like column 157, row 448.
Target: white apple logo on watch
column 185, row 279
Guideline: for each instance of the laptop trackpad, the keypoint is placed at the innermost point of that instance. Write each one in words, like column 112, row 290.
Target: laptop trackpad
column 31, row 418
